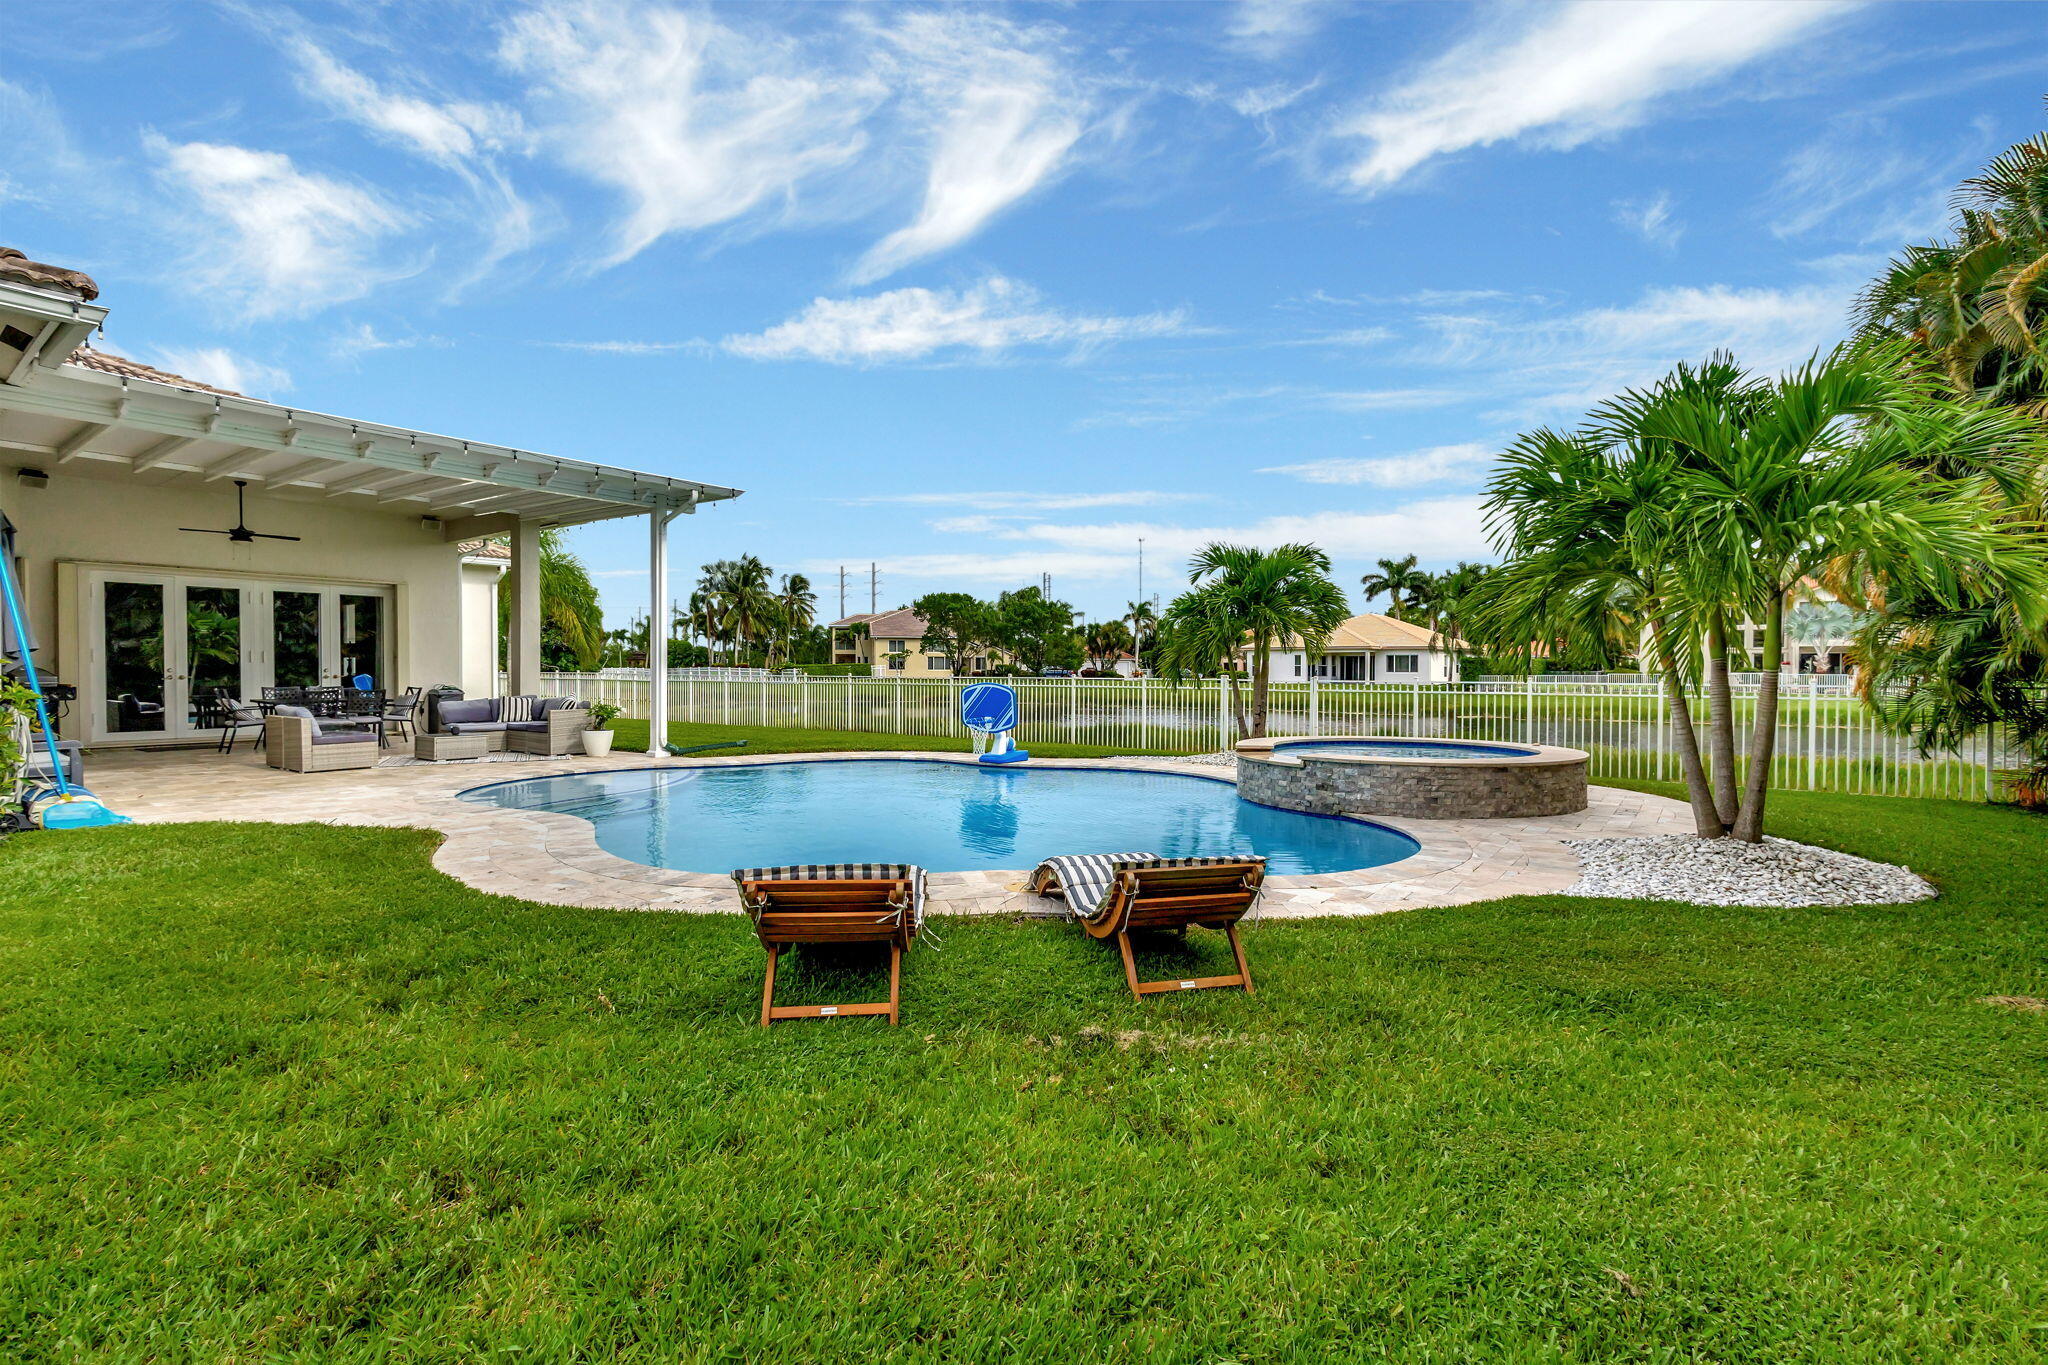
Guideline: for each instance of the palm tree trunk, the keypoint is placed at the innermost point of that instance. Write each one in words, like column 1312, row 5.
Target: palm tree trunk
column 1720, row 719
column 1706, row 819
column 1763, row 739
column 1244, row 729
column 1260, row 680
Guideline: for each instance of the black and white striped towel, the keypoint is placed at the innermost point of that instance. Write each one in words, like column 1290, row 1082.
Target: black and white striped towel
column 1086, row 878
column 845, row 872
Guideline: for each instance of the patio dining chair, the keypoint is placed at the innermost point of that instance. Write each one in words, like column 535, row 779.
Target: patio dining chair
column 402, row 712
column 833, row 903
column 1112, row 894
column 236, row 716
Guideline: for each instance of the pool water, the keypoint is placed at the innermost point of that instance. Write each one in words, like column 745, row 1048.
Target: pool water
column 946, row 817
column 1404, row 748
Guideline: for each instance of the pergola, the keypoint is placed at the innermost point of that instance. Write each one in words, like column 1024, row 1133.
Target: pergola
column 100, row 416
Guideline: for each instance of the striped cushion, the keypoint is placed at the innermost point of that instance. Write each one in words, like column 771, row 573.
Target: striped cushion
column 1086, row 878
column 845, row 872
column 517, row 708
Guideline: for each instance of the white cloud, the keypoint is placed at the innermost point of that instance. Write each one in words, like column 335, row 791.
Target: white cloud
column 695, row 123
column 1003, row 112
column 223, row 369
column 992, row 317
column 451, row 132
column 1561, row 76
column 1650, row 219
column 276, row 240
column 1411, row 469
column 1269, row 28
column 627, row 347
column 1572, row 360
column 1433, row 528
column 1038, row 501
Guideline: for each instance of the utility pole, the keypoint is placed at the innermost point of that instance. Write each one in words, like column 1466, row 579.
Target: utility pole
column 1141, row 568
column 1045, row 586
column 874, row 589
column 842, row 592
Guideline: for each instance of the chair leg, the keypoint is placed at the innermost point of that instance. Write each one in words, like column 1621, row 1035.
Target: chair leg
column 895, row 981
column 1123, row 943
column 1237, row 951
column 768, row 987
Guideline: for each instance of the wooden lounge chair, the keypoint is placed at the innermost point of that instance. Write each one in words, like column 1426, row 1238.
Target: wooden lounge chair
column 833, row 903
column 1111, row 894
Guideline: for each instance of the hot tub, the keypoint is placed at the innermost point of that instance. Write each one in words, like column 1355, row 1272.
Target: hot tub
column 1422, row 778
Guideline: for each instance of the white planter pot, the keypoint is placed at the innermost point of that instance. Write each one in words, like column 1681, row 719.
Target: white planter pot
column 597, row 743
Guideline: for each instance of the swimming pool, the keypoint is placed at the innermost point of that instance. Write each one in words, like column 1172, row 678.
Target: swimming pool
column 1401, row 748
column 946, row 817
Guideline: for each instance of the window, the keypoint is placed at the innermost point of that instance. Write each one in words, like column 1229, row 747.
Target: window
column 936, row 661
column 896, row 662
column 1297, row 665
column 1403, row 663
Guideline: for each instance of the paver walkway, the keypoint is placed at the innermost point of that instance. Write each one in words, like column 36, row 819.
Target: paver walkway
column 554, row 858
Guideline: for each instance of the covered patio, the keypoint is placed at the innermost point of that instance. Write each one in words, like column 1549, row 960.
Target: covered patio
column 178, row 540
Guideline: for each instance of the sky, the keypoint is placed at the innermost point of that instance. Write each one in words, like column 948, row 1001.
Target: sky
column 979, row 293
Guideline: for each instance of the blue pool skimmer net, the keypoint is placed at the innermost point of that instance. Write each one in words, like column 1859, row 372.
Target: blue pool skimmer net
column 64, row 806
column 989, row 711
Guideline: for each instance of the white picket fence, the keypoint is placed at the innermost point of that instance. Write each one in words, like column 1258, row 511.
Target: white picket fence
column 1825, row 741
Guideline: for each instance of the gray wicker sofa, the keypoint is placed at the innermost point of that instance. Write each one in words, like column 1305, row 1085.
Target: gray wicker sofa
column 294, row 740
column 550, row 726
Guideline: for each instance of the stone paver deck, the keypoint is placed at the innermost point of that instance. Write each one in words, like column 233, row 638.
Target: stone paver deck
column 554, row 858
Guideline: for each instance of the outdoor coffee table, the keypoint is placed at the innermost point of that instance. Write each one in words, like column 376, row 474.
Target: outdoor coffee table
column 439, row 748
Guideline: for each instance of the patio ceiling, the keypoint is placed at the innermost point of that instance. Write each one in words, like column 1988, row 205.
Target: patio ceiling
column 97, row 424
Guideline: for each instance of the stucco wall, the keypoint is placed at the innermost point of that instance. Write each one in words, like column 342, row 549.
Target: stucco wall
column 1471, row 790
column 124, row 522
column 479, row 676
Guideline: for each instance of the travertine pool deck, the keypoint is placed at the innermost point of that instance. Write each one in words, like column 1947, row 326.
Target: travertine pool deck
column 554, row 858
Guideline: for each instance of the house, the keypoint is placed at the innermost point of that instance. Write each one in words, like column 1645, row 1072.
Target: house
column 1369, row 648
column 177, row 540
column 892, row 644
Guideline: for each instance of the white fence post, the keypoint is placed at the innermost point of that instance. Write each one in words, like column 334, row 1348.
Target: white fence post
column 1223, row 713
column 1813, row 733
column 1315, row 718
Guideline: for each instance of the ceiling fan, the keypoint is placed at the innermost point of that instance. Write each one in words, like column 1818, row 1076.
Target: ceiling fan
column 240, row 532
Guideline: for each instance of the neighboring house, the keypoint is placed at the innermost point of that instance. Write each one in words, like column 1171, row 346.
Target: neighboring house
column 1369, row 648
column 359, row 555
column 894, row 647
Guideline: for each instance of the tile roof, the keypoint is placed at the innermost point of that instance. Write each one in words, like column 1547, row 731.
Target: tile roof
column 900, row 624
column 106, row 362
column 21, row 270
column 1374, row 631
column 485, row 549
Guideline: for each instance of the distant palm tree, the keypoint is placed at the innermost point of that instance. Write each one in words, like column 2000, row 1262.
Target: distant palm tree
column 741, row 600
column 1143, row 621
column 797, row 608
column 1103, row 642
column 1245, row 597
column 571, row 618
column 1400, row 580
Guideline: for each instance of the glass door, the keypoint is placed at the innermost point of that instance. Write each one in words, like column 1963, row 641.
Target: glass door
column 295, row 619
column 214, row 667
column 134, row 674
column 361, row 640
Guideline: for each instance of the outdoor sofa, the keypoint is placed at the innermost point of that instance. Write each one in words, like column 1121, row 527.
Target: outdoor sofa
column 549, row 726
column 298, row 741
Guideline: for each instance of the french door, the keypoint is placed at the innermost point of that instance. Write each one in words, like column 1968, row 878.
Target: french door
column 166, row 650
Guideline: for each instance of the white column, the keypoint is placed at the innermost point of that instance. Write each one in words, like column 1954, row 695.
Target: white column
column 660, row 623
column 522, row 644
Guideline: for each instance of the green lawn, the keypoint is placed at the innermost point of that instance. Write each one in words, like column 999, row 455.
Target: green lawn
column 286, row 1093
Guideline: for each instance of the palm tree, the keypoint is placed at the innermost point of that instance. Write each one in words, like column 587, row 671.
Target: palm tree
column 798, row 608
column 740, row 600
column 1103, row 642
column 1713, row 497
column 1143, row 620
column 1975, row 308
column 1245, row 597
column 571, row 618
column 1400, row 580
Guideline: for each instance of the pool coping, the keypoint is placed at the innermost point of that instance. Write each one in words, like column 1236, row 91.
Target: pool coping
column 553, row 858
column 1534, row 755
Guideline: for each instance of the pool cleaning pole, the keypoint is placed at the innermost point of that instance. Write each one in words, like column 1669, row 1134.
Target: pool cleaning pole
column 28, row 668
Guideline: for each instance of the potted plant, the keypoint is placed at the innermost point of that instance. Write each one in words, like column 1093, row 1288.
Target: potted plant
column 597, row 740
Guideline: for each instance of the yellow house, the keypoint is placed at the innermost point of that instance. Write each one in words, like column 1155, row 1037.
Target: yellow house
column 893, row 646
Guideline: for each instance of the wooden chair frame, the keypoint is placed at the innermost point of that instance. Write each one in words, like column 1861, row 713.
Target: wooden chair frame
column 787, row 913
column 1213, row 895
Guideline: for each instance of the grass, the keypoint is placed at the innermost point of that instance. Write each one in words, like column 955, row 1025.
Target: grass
column 286, row 1093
